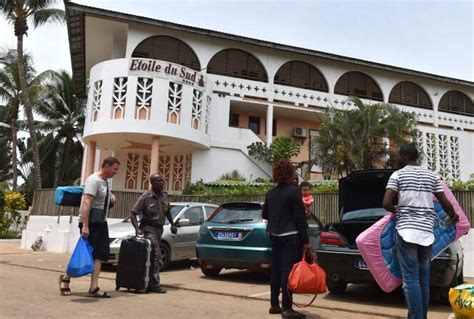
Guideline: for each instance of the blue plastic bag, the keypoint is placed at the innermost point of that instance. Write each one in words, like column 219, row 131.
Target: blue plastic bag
column 81, row 262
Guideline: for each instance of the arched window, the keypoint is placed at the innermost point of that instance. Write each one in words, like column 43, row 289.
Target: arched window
column 167, row 48
column 411, row 94
column 358, row 84
column 238, row 64
column 302, row 75
column 456, row 102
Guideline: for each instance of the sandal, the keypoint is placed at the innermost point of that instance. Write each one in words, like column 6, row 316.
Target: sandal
column 65, row 291
column 97, row 293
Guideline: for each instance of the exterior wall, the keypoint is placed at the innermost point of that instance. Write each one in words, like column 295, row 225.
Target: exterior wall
column 211, row 164
column 101, row 99
column 292, row 107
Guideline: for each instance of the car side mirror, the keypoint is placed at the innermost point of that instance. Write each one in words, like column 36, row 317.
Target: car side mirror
column 183, row 222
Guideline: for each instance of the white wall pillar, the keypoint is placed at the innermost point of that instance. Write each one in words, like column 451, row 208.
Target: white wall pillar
column 90, row 161
column 269, row 124
column 155, row 154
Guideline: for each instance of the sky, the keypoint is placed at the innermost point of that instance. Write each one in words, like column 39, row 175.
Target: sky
column 434, row 36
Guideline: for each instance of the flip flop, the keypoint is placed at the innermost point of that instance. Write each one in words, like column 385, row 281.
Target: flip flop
column 62, row 290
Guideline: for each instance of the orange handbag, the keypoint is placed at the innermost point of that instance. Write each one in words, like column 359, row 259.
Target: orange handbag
column 307, row 277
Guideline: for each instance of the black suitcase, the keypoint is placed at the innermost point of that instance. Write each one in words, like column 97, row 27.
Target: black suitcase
column 135, row 264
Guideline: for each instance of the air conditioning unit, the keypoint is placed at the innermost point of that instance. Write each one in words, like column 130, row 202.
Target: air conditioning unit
column 299, row 132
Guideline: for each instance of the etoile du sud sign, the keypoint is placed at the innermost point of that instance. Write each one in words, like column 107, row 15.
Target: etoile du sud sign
column 168, row 70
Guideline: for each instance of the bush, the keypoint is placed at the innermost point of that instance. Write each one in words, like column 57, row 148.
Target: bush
column 233, row 176
column 463, row 186
column 325, row 187
column 8, row 235
column 9, row 216
column 200, row 188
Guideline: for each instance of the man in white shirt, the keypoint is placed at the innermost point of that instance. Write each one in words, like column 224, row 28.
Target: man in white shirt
column 415, row 187
column 96, row 200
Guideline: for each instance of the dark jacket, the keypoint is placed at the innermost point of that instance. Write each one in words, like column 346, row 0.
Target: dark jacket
column 284, row 211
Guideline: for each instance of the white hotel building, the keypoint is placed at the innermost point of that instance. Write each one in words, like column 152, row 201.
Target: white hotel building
column 187, row 102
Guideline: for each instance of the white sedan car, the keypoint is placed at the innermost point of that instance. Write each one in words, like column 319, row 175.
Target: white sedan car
column 188, row 217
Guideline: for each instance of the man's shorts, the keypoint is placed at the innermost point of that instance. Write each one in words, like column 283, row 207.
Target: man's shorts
column 99, row 240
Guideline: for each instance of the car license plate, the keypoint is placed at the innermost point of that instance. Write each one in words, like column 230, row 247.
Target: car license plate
column 360, row 263
column 232, row 235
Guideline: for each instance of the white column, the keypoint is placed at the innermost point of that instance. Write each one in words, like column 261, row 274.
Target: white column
column 269, row 124
column 155, row 154
column 91, row 150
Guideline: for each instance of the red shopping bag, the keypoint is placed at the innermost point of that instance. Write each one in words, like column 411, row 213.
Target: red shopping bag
column 307, row 277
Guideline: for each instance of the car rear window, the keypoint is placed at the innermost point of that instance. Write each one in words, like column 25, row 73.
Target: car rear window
column 234, row 214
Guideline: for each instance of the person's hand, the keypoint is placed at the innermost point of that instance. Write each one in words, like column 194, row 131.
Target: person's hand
column 307, row 247
column 308, row 251
column 138, row 232
column 113, row 199
column 85, row 231
column 454, row 219
column 174, row 229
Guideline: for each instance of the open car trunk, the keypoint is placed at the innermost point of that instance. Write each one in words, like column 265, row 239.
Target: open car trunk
column 360, row 191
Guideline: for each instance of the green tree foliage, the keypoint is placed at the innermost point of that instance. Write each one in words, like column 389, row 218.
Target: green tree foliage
column 10, row 93
column 325, row 187
column 463, row 186
column 282, row 148
column 14, row 202
column 355, row 139
column 9, row 215
column 63, row 112
column 5, row 150
column 18, row 13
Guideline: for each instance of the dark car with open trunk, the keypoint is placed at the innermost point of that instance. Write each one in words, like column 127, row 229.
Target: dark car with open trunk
column 360, row 206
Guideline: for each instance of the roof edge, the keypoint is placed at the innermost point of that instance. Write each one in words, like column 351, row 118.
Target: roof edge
column 263, row 43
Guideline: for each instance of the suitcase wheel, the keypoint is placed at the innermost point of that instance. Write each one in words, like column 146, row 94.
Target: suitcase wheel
column 117, row 288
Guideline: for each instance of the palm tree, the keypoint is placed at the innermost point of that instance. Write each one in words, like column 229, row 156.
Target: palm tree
column 18, row 12
column 359, row 138
column 5, row 157
column 64, row 114
column 10, row 92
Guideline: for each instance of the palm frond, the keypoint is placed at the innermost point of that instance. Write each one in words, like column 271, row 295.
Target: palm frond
column 44, row 16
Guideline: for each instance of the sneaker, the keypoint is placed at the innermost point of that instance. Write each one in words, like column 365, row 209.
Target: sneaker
column 274, row 310
column 158, row 289
column 290, row 313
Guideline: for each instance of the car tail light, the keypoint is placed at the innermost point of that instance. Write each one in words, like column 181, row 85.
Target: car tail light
column 331, row 239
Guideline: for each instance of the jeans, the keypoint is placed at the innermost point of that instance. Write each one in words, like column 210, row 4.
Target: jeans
column 154, row 235
column 286, row 251
column 415, row 262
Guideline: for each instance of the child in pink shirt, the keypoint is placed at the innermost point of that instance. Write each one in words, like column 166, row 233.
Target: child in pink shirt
column 307, row 197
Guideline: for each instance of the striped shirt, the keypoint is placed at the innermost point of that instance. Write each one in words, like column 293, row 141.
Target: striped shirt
column 416, row 216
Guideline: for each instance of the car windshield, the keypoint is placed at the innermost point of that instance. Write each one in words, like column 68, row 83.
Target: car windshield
column 175, row 209
column 238, row 214
column 364, row 214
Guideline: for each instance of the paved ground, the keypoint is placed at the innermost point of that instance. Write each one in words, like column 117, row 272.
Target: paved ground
column 29, row 290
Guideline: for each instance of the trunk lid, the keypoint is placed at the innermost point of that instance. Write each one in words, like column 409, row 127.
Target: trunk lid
column 360, row 202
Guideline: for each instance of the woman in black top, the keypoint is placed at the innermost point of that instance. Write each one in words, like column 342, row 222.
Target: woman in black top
column 286, row 227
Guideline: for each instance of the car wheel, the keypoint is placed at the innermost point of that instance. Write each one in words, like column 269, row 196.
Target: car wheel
column 165, row 256
column 441, row 294
column 211, row 272
column 337, row 288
